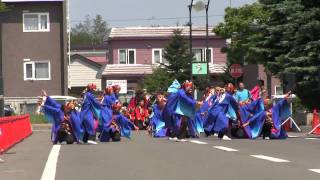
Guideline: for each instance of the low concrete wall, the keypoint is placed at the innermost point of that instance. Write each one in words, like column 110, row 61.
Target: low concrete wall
column 22, row 105
column 302, row 118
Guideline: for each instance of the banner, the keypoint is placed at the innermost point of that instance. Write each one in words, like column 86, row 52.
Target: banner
column 122, row 83
column 13, row 129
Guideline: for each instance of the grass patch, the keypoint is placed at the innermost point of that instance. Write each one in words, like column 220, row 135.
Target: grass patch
column 38, row 119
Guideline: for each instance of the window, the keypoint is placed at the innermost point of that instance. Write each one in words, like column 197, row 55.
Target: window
column 36, row 22
column 127, row 56
column 278, row 90
column 200, row 54
column 157, row 56
column 37, row 70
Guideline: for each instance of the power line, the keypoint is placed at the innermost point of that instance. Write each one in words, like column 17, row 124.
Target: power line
column 154, row 18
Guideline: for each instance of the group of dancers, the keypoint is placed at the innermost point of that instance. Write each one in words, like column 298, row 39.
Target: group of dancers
column 225, row 112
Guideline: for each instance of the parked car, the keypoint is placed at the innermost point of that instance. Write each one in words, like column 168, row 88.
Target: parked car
column 8, row 110
column 64, row 99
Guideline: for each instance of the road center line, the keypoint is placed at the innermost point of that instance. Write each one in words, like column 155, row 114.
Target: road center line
column 49, row 171
column 225, row 148
column 269, row 158
column 315, row 170
column 197, row 142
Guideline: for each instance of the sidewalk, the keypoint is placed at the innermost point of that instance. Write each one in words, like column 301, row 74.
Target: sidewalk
column 37, row 127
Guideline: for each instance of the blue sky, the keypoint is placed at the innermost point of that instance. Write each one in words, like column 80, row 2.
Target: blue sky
column 120, row 13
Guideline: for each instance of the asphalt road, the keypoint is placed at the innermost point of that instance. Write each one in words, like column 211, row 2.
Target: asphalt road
column 146, row 158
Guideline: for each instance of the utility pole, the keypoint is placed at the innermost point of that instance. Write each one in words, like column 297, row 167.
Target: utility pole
column 1, row 75
column 207, row 36
column 190, row 43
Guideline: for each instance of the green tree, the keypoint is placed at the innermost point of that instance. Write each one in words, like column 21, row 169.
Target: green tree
column 90, row 31
column 239, row 26
column 283, row 35
column 289, row 43
column 176, row 52
column 3, row 7
column 158, row 81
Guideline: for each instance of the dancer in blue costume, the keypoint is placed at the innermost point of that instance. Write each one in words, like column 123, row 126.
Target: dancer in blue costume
column 66, row 125
column 90, row 114
column 223, row 110
column 268, row 121
column 118, row 126
column 169, row 108
column 252, row 118
column 202, row 113
column 275, row 116
column 184, row 115
column 157, row 125
column 106, row 110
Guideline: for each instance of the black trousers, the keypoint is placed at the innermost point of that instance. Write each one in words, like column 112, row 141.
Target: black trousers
column 115, row 136
column 266, row 130
column 87, row 137
column 238, row 132
column 183, row 131
column 62, row 136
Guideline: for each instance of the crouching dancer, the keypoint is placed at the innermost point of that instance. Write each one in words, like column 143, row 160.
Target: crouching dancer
column 118, row 126
column 66, row 126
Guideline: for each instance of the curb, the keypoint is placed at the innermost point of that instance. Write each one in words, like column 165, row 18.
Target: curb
column 41, row 126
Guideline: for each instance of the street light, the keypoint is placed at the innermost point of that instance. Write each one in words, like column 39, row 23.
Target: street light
column 199, row 5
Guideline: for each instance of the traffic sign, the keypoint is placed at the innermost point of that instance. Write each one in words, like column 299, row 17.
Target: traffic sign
column 236, row 70
column 199, row 68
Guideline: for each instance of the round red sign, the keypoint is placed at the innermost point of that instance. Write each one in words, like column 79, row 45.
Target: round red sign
column 236, row 70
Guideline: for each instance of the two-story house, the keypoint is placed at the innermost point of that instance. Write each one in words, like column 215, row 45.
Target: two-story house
column 134, row 52
column 85, row 64
column 34, row 50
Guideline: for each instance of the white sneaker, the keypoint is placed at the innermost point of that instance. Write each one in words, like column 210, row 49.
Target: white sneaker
column 215, row 135
column 173, row 139
column 92, row 142
column 226, row 138
column 181, row 140
column 1, row 160
column 267, row 138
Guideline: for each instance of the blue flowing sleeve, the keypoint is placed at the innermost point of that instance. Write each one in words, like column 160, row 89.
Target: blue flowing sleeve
column 280, row 112
column 76, row 125
column 95, row 105
column 125, row 124
column 185, row 105
column 169, row 109
column 94, row 102
column 52, row 102
column 52, row 110
column 186, row 99
column 232, row 108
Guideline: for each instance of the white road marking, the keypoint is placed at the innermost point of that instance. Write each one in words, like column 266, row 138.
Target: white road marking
column 197, row 142
column 268, row 158
column 225, row 148
column 311, row 138
column 315, row 170
column 292, row 136
column 49, row 172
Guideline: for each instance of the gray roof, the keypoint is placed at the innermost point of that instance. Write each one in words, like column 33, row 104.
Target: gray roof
column 30, row 0
column 138, row 32
column 144, row 69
